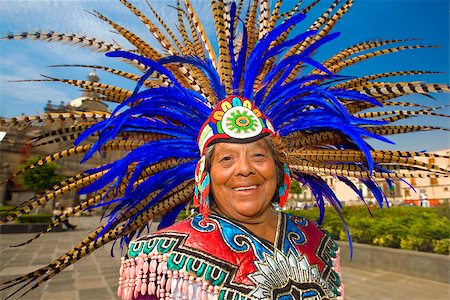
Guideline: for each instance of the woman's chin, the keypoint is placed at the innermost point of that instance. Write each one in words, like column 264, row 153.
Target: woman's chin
column 249, row 212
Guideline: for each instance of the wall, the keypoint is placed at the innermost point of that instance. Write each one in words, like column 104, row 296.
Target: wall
column 430, row 266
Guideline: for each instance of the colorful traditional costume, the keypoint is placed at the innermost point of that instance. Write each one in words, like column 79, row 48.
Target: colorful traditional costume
column 215, row 258
column 265, row 70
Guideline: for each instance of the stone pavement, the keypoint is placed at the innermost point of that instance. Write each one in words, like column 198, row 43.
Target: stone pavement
column 95, row 276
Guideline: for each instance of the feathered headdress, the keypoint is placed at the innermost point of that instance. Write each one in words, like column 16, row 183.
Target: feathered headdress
column 263, row 65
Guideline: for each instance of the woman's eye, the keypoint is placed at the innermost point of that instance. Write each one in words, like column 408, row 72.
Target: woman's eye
column 225, row 158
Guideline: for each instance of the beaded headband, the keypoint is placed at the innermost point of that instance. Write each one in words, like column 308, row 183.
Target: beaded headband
column 235, row 119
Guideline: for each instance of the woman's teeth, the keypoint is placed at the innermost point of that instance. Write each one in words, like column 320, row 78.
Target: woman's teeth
column 244, row 188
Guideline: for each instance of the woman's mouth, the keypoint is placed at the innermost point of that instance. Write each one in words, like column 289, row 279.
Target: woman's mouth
column 245, row 188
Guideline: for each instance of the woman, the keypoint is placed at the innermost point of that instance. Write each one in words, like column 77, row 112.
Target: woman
column 197, row 126
column 239, row 247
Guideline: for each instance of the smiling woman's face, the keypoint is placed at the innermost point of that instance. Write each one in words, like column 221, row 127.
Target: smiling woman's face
column 243, row 179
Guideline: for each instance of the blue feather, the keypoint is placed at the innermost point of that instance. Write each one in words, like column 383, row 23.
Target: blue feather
column 146, row 61
column 256, row 60
column 308, row 51
column 179, row 175
column 165, row 180
column 288, row 90
column 170, row 217
column 376, row 191
column 207, row 68
column 356, row 190
column 279, row 48
column 320, row 189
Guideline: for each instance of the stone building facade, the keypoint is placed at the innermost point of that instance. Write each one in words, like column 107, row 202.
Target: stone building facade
column 16, row 147
column 411, row 191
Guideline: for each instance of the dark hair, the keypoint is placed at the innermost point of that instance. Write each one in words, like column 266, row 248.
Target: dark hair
column 276, row 148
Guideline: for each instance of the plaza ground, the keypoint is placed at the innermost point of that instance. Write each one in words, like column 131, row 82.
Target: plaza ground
column 96, row 276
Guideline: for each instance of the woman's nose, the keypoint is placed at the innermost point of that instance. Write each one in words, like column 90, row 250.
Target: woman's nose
column 244, row 167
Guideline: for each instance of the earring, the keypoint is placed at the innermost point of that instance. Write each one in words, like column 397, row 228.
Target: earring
column 202, row 186
column 283, row 191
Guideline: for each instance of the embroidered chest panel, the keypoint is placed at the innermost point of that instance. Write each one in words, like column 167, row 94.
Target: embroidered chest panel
column 242, row 266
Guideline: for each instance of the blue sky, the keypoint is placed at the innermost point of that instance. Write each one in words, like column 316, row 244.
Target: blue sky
column 426, row 20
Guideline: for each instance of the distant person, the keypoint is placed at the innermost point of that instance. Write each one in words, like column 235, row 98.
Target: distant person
column 424, row 199
column 58, row 212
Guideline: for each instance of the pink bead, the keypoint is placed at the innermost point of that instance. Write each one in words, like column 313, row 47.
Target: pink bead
column 191, row 287
column 124, row 292
column 216, row 293
column 144, row 288
column 129, row 293
column 139, row 262
column 145, row 266
column 153, row 265
column 185, row 286
column 152, row 288
column 199, row 288
column 119, row 291
column 162, row 293
column 126, row 270
column 169, row 280
column 160, row 268
column 132, row 270
column 163, row 281
column 180, row 282
column 137, row 289
column 204, row 291
column 174, row 282
column 210, row 292
column 122, row 262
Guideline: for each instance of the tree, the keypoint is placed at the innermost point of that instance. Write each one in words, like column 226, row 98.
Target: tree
column 41, row 177
column 295, row 187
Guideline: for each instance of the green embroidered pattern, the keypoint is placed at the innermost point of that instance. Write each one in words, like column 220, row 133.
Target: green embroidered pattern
column 163, row 245
column 193, row 265
column 179, row 260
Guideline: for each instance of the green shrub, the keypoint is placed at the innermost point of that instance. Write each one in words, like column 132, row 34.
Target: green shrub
column 443, row 210
column 386, row 240
column 6, row 210
column 406, row 227
column 442, row 246
column 412, row 243
column 334, row 230
column 40, row 218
